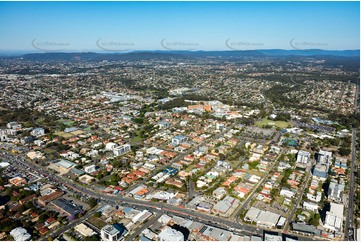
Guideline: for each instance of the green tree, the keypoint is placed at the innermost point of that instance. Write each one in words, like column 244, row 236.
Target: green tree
column 92, row 202
column 98, row 214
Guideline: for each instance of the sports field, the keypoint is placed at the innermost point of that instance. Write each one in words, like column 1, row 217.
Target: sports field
column 280, row 124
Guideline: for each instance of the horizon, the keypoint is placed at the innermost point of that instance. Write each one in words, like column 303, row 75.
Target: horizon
column 22, row 53
column 178, row 26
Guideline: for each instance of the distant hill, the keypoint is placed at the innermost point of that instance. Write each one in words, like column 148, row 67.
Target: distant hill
column 92, row 56
column 172, row 55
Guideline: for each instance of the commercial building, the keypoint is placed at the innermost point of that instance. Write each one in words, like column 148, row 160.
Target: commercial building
column 272, row 237
column 66, row 207
column 169, row 234
column 226, row 206
column 305, row 228
column 335, row 191
column 114, row 232
column 334, row 217
column 324, row 157
column 43, row 200
column 321, row 170
column 214, row 234
column 121, row 150
column 198, row 203
column 84, row 230
column 324, row 160
column 142, row 216
column 303, row 157
column 263, row 218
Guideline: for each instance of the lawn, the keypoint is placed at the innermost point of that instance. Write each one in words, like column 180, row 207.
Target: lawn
column 266, row 121
column 97, row 222
column 136, row 140
column 190, row 168
column 49, row 151
column 66, row 122
column 64, row 134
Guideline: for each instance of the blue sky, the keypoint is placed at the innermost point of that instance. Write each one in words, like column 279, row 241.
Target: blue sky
column 119, row 26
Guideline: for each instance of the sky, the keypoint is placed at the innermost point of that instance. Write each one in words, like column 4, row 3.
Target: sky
column 126, row 26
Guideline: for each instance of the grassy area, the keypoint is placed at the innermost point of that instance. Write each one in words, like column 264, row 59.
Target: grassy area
column 66, row 122
column 279, row 199
column 136, row 140
column 266, row 121
column 255, row 172
column 49, row 151
column 64, row 135
column 189, row 168
column 97, row 222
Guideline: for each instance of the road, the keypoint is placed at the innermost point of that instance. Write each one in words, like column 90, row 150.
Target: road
column 250, row 196
column 351, row 192
column 196, row 215
column 357, row 101
column 167, row 208
column 299, row 198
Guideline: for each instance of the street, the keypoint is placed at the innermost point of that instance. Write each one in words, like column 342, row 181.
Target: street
column 349, row 235
column 179, row 211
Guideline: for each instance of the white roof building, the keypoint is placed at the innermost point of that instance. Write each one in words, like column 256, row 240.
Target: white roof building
column 310, row 206
column 169, row 234
column 334, row 218
column 287, row 193
column 303, row 157
column 4, row 164
column 252, row 214
column 84, row 230
column 90, row 168
column 20, row 234
column 267, row 219
column 164, row 219
column 110, row 146
column 271, row 237
column 142, row 216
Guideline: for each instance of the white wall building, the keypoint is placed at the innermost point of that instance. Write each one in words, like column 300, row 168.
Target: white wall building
column 113, row 232
column 120, row 150
column 90, row 169
column 37, row 132
column 287, row 193
column 303, row 157
column 310, row 206
column 110, row 146
column 334, row 218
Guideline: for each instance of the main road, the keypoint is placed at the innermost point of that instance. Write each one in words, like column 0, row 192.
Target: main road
column 351, row 192
column 167, row 208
